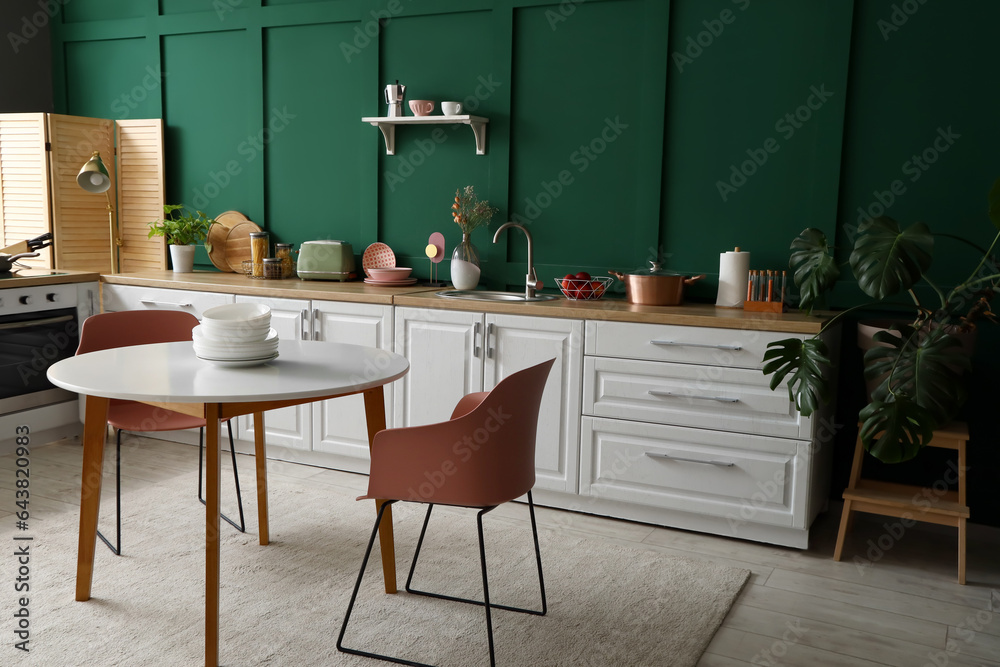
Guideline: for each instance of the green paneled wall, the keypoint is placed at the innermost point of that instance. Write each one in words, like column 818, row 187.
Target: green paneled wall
column 817, row 106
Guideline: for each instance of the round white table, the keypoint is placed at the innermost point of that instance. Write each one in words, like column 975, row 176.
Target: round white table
column 171, row 376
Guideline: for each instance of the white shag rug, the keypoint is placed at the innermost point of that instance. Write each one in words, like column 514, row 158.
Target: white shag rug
column 283, row 604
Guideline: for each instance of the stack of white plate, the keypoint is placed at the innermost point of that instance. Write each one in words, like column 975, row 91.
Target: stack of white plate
column 237, row 334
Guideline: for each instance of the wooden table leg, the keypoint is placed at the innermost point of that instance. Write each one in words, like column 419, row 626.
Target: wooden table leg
column 213, row 552
column 375, row 415
column 261, row 460
column 94, row 431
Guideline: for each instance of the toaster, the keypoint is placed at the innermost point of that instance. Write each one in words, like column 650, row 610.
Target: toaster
column 326, row 260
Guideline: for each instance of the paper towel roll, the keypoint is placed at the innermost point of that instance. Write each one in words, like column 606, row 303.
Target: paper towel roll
column 734, row 267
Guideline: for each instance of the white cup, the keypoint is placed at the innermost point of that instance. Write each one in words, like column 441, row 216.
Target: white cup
column 451, row 108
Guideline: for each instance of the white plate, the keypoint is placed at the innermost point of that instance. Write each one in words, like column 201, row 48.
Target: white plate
column 238, row 363
column 201, row 334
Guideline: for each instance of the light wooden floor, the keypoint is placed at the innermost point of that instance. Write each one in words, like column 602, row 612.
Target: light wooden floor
column 898, row 606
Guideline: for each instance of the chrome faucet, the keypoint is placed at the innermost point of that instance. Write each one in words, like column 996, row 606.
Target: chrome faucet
column 531, row 281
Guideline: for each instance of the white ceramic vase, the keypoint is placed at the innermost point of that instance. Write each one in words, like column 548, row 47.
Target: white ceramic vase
column 182, row 258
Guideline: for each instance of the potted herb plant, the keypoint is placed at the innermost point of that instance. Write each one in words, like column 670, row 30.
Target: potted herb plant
column 918, row 368
column 182, row 231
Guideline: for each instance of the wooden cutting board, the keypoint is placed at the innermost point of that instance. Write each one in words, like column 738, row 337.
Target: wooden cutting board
column 224, row 222
column 238, row 244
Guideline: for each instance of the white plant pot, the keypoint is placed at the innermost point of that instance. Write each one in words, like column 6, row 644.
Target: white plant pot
column 182, row 258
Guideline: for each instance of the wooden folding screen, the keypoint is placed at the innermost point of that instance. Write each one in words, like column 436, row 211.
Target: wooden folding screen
column 39, row 192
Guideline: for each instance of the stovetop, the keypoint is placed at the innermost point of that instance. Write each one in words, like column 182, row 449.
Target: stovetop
column 14, row 275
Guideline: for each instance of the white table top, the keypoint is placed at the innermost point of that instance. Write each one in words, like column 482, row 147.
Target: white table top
column 170, row 372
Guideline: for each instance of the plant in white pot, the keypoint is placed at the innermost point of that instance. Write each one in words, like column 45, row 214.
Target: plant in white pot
column 919, row 368
column 182, row 231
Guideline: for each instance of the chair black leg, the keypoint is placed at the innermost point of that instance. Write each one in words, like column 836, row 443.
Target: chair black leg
column 354, row 597
column 486, row 583
column 232, row 451
column 538, row 559
column 116, row 550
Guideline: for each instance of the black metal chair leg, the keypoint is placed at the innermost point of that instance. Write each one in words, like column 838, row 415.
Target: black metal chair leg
column 538, row 559
column 116, row 550
column 232, row 451
column 486, row 583
column 354, row 597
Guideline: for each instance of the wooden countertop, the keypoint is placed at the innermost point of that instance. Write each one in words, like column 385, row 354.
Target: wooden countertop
column 236, row 283
column 33, row 277
column 422, row 296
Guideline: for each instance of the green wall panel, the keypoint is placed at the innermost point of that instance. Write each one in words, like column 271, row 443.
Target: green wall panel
column 921, row 122
column 730, row 87
column 314, row 184
column 438, row 57
column 129, row 85
column 75, row 11
column 215, row 128
column 577, row 141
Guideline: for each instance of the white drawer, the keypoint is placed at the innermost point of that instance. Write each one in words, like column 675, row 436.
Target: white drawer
column 741, row 478
column 132, row 297
column 741, row 348
column 729, row 399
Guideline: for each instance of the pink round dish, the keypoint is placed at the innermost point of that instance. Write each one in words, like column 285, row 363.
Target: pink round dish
column 389, row 273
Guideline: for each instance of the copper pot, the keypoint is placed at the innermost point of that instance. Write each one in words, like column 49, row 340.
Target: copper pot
column 654, row 286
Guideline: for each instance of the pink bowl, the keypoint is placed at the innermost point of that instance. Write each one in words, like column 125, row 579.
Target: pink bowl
column 421, row 107
column 393, row 273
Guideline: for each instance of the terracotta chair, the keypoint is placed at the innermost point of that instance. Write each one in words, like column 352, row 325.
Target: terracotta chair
column 141, row 327
column 496, row 470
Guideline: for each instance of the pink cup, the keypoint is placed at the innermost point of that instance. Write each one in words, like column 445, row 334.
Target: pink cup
column 421, row 107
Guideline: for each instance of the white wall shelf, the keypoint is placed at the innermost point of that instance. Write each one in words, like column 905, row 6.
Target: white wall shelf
column 388, row 126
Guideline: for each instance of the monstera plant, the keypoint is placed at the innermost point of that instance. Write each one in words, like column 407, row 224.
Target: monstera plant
column 920, row 367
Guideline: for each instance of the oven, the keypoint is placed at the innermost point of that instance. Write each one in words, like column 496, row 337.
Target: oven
column 39, row 325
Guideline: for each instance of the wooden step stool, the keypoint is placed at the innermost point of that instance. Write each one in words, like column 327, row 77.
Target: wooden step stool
column 904, row 501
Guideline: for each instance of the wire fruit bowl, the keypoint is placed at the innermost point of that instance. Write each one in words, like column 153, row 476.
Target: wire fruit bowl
column 584, row 290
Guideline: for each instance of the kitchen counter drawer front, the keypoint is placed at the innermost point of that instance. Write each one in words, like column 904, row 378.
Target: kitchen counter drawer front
column 729, row 399
column 741, row 478
column 127, row 297
column 739, row 348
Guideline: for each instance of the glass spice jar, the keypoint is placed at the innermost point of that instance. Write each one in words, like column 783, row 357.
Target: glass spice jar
column 272, row 268
column 283, row 251
column 258, row 252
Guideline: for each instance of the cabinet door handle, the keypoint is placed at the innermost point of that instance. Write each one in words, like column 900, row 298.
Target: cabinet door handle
column 712, row 347
column 671, row 457
column 315, row 323
column 153, row 302
column 721, row 399
column 489, row 333
column 475, row 335
column 305, row 323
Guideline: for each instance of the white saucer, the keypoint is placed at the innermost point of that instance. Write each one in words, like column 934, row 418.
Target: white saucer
column 391, row 283
column 238, row 363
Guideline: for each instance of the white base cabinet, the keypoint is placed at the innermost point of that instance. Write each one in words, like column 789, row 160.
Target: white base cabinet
column 453, row 353
column 667, row 424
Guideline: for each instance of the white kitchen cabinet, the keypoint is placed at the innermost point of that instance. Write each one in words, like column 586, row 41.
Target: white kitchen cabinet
column 339, row 427
column 289, row 427
column 680, row 428
column 453, row 353
column 116, row 298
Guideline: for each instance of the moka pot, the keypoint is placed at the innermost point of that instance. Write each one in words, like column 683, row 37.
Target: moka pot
column 394, row 94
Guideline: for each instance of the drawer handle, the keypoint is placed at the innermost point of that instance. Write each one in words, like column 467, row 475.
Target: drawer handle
column 713, row 347
column 721, row 399
column 152, row 302
column 475, row 342
column 671, row 457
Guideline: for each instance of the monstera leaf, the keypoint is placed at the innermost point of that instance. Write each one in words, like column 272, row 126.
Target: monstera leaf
column 805, row 361
column 926, row 366
column 886, row 260
column 813, row 268
column 994, row 200
column 895, row 431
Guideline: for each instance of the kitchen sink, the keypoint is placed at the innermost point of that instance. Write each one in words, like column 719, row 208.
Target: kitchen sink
column 487, row 295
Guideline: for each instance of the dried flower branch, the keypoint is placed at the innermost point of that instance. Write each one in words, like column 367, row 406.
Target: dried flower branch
column 468, row 212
